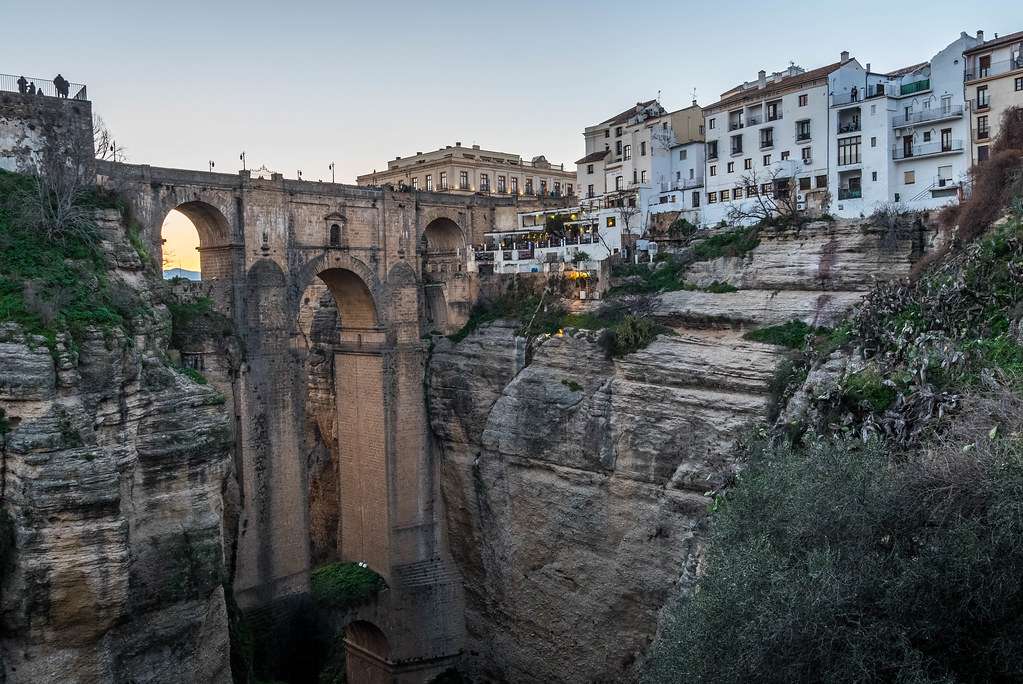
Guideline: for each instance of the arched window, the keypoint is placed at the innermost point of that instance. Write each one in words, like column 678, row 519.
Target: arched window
column 335, row 235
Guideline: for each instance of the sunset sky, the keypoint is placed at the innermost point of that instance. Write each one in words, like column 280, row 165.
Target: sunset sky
column 298, row 85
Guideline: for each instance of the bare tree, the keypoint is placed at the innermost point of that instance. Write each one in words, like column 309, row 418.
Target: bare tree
column 103, row 141
column 771, row 195
column 664, row 138
column 58, row 202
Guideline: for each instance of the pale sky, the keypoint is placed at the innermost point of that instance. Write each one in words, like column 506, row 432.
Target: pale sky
column 300, row 84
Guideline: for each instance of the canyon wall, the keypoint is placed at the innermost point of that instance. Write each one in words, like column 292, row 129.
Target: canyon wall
column 118, row 497
column 575, row 485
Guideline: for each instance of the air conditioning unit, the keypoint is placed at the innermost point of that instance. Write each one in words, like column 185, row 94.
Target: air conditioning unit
column 800, row 198
column 801, row 206
column 807, row 161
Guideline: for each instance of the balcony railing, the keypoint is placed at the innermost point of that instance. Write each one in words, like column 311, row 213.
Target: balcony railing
column 737, row 150
column 754, row 121
column 928, row 115
column 907, row 151
column 981, row 103
column 981, row 133
column 735, row 125
column 849, row 126
column 775, row 117
column 995, row 68
column 765, row 144
column 915, row 87
column 850, row 193
column 42, row 87
column 800, row 137
column 684, row 184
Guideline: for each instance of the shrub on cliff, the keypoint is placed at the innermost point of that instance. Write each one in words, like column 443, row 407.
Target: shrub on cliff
column 345, row 585
column 842, row 562
column 727, row 244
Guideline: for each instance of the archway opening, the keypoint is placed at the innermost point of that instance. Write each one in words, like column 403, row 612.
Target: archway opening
column 443, row 237
column 195, row 243
column 354, row 300
column 366, row 654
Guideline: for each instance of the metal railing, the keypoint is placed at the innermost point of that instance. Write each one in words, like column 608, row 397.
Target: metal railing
column 41, row 86
column 909, row 151
column 800, row 137
column 735, row 125
column 980, row 103
column 981, row 133
column 850, row 193
column 928, row 115
column 777, row 117
column 915, row 87
column 849, row 126
column 754, row 121
column 684, row 184
column 994, row 69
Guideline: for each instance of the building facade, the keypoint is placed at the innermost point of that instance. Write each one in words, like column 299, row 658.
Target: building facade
column 994, row 82
column 468, row 170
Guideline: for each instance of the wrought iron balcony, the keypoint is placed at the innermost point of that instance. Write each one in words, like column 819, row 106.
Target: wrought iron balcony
column 981, row 133
column 850, row 193
column 849, row 126
column 936, row 114
column 926, row 149
column 994, row 69
column 915, row 87
column 41, row 87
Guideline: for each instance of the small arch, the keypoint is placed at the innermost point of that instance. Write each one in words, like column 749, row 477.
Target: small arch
column 354, row 300
column 367, row 654
column 335, row 235
column 443, row 236
column 214, row 237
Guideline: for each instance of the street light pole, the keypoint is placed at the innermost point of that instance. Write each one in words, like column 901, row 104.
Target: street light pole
column 211, row 166
column 242, row 157
column 332, row 173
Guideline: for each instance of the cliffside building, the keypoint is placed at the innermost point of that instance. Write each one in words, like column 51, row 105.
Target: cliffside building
column 468, row 170
column 993, row 82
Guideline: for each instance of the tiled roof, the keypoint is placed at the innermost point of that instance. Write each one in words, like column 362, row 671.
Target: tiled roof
column 906, row 70
column 995, row 42
column 627, row 114
column 777, row 86
column 594, row 156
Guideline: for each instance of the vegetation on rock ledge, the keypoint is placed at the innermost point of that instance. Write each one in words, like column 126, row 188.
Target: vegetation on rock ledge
column 345, row 585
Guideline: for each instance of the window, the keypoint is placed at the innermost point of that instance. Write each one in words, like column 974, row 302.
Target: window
column 909, row 177
column 557, row 189
column 710, row 125
column 737, row 144
column 731, row 167
column 822, row 181
column 463, row 180
column 618, row 182
column 502, row 184
column 682, row 154
column 443, row 180
column 634, row 176
column 515, row 185
column 415, row 183
column 627, row 153
column 766, row 189
column 642, row 149
column 983, row 101
column 802, row 100
column 807, row 154
column 1019, row 83
column 712, row 149
column 429, row 183
column 849, row 150
column 678, row 175
column 873, row 176
column 737, row 193
column 691, row 174
column 335, row 235
column 946, row 139
column 618, row 148
column 712, row 198
column 589, row 190
column 484, row 182
column 927, row 136
column 803, row 130
column 804, row 183
column 873, row 141
column 984, row 66
column 766, row 138
column 784, row 155
column 589, row 168
column 529, row 186
column 944, row 175
column 713, row 170
column 618, row 131
column 747, row 163
column 569, row 190
column 767, row 160
column 773, row 110
column 982, row 153
column 696, row 200
column 642, row 176
column 725, row 195
column 607, row 132
column 898, row 197
column 610, row 223
column 983, row 132
column 543, row 188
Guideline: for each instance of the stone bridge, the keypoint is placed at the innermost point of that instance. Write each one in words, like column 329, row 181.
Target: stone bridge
column 333, row 289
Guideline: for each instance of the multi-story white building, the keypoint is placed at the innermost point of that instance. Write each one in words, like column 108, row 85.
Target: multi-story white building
column 993, row 83
column 899, row 137
column 769, row 135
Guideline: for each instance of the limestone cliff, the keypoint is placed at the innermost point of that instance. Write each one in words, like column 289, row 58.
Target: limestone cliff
column 115, row 472
column 575, row 485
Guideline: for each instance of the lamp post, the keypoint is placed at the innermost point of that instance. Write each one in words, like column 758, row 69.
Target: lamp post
column 300, row 174
column 211, row 166
column 242, row 157
column 332, row 173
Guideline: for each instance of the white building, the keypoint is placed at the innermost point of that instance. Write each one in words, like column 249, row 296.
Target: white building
column 765, row 136
column 900, row 137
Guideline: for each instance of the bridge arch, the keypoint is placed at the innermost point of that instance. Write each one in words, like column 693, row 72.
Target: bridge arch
column 214, row 234
column 352, row 295
column 367, row 654
column 443, row 237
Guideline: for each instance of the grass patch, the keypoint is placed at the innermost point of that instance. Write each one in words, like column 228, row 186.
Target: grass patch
column 572, row 385
column 194, row 375
column 868, row 389
column 345, row 585
column 729, row 244
column 792, row 334
column 666, row 278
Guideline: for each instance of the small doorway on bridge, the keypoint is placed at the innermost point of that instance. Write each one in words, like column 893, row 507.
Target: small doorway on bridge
column 180, row 241
column 367, row 654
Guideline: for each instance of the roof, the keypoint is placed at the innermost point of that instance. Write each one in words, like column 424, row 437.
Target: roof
column 905, row 70
column 627, row 114
column 995, row 42
column 778, row 86
column 594, row 156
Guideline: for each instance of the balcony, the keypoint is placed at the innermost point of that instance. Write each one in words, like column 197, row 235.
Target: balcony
column 928, row 115
column 775, row 117
column 981, row 133
column 736, row 150
column 801, row 137
column 927, row 149
column 994, row 69
column 850, row 193
column 754, row 121
column 735, row 125
column 849, row 126
column 981, row 103
column 915, row 87
column 767, row 144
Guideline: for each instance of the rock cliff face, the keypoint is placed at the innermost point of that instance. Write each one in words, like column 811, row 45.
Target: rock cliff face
column 115, row 477
column 575, row 485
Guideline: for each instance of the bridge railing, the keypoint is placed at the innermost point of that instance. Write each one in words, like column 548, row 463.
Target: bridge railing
column 9, row 83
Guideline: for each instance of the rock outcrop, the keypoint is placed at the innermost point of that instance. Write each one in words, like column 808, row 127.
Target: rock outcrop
column 116, row 477
column 575, row 486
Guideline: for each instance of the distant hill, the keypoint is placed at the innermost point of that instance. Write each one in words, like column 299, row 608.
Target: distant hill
column 172, row 273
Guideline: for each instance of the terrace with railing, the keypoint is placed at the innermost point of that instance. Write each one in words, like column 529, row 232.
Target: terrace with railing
column 927, row 149
column 40, row 87
column 928, row 115
column 976, row 71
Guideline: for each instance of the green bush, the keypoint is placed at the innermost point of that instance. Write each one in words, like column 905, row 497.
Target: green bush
column 345, row 585
column 839, row 563
column 194, row 375
column 666, row 278
column 867, row 389
column 729, row 244
column 720, row 288
column 572, row 385
column 632, row 334
column 792, row 334
column 194, row 322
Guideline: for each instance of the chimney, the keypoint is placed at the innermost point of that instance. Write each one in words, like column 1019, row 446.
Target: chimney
column 694, row 103
column 458, row 144
column 762, row 79
column 980, row 35
column 475, row 147
column 845, row 56
column 868, row 67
